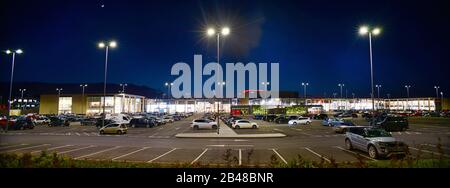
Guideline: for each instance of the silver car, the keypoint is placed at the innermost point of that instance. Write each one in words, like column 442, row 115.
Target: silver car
column 377, row 142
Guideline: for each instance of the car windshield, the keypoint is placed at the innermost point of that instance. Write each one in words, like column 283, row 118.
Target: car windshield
column 377, row 133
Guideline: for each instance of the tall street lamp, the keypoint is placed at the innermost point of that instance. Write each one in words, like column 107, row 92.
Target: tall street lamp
column 304, row 89
column 18, row 51
column 341, row 86
column 437, row 91
column 82, row 97
column 364, row 30
column 21, row 97
column 442, row 100
column 378, row 94
column 407, row 95
column 210, row 32
column 123, row 87
column 111, row 44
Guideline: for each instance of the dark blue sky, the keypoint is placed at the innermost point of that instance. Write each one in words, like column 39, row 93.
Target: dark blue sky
column 314, row 41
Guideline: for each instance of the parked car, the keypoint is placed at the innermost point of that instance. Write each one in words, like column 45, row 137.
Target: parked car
column 114, row 128
column 100, row 124
column 258, row 117
column 58, row 121
column 168, row 119
column 41, row 120
column 300, row 120
column 142, row 122
column 376, row 142
column 281, row 120
column 269, row 118
column 343, row 127
column 18, row 124
column 88, row 121
column 320, row 116
column 332, row 122
column 203, row 124
column 242, row 123
column 391, row 123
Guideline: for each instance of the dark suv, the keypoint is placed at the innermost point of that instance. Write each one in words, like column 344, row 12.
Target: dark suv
column 142, row 122
column 391, row 123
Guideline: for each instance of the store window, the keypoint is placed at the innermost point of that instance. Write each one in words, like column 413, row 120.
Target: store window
column 65, row 105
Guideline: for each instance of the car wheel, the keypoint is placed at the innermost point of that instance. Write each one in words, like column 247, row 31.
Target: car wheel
column 214, row 127
column 373, row 153
column 348, row 144
column 307, row 123
column 236, row 127
column 119, row 132
column 102, row 132
column 196, row 127
column 147, row 126
column 330, row 125
column 295, row 123
column 254, row 127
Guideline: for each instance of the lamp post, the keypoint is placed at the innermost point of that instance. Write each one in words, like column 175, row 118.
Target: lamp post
column 304, row 89
column 123, row 87
column 18, row 51
column 82, row 97
column 378, row 94
column 21, row 97
column 265, row 84
column 224, row 32
column 442, row 100
column 59, row 92
column 407, row 95
column 437, row 91
column 341, row 86
column 111, row 44
column 364, row 30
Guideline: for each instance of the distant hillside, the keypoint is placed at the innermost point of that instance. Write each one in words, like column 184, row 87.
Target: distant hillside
column 35, row 89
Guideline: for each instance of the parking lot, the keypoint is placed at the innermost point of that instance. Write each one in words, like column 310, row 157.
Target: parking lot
column 159, row 144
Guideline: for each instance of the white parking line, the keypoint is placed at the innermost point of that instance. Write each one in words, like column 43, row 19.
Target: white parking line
column 133, row 152
column 407, row 132
column 84, row 156
column 400, row 133
column 240, row 157
column 161, row 155
column 53, row 148
column 426, row 151
column 4, row 147
column 78, row 134
column 201, row 154
column 177, row 128
column 68, row 151
column 313, row 152
column 87, row 134
column 27, row 147
column 343, row 149
column 223, row 145
column 281, row 157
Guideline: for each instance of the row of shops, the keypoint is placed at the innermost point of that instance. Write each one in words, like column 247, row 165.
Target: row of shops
column 127, row 103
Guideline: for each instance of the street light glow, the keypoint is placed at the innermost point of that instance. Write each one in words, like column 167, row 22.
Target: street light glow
column 101, row 45
column 376, row 31
column 8, row 51
column 210, row 32
column 112, row 44
column 225, row 31
column 19, row 51
column 363, row 30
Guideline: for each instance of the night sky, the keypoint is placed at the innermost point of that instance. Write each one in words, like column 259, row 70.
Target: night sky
column 314, row 41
